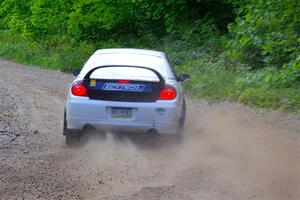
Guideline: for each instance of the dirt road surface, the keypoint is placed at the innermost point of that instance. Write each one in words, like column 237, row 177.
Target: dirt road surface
column 229, row 151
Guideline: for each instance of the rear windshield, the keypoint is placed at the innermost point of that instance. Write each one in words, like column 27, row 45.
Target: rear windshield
column 124, row 72
column 124, row 59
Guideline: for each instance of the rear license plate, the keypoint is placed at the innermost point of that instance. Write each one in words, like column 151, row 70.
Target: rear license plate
column 121, row 112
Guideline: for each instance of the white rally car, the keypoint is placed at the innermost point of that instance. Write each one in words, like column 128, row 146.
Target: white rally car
column 125, row 90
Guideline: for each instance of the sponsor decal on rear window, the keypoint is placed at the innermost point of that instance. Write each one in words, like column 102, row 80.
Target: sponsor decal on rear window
column 93, row 83
column 124, row 87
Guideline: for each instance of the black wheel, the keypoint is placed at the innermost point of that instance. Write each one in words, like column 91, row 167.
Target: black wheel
column 65, row 129
column 179, row 136
column 72, row 137
column 182, row 118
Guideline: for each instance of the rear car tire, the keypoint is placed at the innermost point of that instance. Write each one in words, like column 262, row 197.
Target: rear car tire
column 179, row 133
column 182, row 118
column 72, row 137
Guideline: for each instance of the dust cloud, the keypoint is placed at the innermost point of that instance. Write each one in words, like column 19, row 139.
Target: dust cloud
column 228, row 151
column 225, row 153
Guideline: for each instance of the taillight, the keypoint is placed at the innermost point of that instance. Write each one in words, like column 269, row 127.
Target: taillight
column 123, row 81
column 167, row 93
column 79, row 89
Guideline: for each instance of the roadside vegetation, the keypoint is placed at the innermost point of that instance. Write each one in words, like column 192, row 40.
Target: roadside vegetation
column 245, row 51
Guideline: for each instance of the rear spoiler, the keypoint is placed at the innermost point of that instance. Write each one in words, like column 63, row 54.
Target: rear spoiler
column 87, row 76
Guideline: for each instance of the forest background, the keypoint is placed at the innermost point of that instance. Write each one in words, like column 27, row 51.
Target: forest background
column 235, row 50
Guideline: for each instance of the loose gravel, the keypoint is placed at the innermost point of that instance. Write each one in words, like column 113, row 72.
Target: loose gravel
column 229, row 151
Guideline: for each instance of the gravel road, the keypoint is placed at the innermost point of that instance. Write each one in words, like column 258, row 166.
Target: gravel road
column 229, row 151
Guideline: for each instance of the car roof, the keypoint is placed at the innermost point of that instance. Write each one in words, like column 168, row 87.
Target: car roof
column 130, row 51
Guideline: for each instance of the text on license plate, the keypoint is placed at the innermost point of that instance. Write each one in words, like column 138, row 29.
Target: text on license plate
column 121, row 112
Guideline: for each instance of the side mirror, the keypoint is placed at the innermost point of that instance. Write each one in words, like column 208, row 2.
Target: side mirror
column 183, row 77
column 76, row 72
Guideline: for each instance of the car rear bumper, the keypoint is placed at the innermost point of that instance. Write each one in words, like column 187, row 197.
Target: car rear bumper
column 162, row 116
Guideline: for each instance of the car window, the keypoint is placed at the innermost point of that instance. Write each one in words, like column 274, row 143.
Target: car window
column 123, row 72
column 124, row 59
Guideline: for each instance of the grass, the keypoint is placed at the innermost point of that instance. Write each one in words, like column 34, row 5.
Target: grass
column 63, row 56
column 212, row 76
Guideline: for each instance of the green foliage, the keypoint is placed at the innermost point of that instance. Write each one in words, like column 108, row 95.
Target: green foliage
column 201, row 32
column 102, row 19
column 196, row 34
column 209, row 78
column 266, row 33
column 49, row 18
column 90, row 19
column 64, row 57
column 15, row 15
column 284, row 99
column 212, row 80
column 260, row 96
